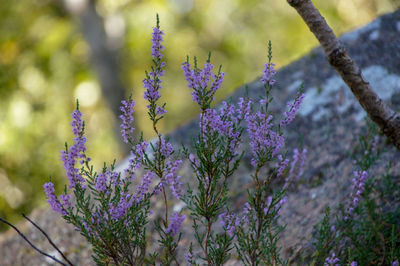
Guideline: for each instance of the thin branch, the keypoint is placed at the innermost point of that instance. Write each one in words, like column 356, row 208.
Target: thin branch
column 30, row 243
column 48, row 239
column 379, row 112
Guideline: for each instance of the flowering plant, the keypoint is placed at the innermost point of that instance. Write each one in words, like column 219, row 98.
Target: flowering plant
column 112, row 215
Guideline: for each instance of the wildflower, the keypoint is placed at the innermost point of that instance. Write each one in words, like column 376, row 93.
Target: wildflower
column 172, row 179
column 176, row 222
column 199, row 79
column 357, row 189
column 152, row 82
column 281, row 166
column 293, row 108
column 144, row 186
column 52, row 198
column 264, row 141
column 127, row 128
column 268, row 74
column 229, row 222
column 124, row 203
column 76, row 151
column 353, row 263
column 332, row 260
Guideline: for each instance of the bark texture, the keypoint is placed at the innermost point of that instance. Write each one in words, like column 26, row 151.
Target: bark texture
column 379, row 112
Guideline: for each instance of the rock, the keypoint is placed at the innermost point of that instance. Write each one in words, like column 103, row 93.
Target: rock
column 328, row 124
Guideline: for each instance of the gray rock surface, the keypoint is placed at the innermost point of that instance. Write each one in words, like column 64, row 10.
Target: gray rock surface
column 328, row 124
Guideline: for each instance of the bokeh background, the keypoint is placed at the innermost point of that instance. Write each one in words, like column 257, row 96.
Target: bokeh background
column 53, row 52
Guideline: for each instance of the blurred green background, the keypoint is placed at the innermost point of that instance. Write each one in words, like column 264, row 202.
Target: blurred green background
column 53, row 52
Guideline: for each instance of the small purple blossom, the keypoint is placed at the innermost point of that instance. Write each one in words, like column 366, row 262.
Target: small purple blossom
column 75, row 152
column 156, row 46
column 120, row 210
column 281, row 166
column 353, row 263
column 152, row 82
column 101, row 182
column 293, row 108
column 296, row 166
column 357, row 189
column 144, row 186
column 264, row 141
column 127, row 128
column 395, row 263
column 268, row 74
column 229, row 222
column 200, row 79
column 175, row 224
column 172, row 179
column 332, row 260
column 52, row 198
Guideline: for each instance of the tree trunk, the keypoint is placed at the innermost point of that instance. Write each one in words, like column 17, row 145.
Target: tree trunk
column 379, row 112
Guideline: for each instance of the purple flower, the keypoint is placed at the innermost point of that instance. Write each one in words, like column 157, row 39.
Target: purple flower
column 152, row 82
column 264, row 141
column 127, row 128
column 172, row 179
column 353, row 263
column 395, row 263
column 332, row 260
column 52, row 198
column 101, row 182
column 199, row 80
column 165, row 148
column 281, row 166
column 297, row 166
column 293, row 108
column 75, row 152
column 175, row 224
column 229, row 222
column 124, row 203
column 144, row 186
column 268, row 73
column 357, row 189
column 156, row 46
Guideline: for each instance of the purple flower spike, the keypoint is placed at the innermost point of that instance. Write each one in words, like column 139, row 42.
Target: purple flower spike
column 229, row 222
column 52, row 198
column 357, row 189
column 76, row 152
column 268, row 73
column 203, row 82
column 152, row 82
column 176, row 222
column 293, row 108
column 127, row 128
column 264, row 140
column 156, row 46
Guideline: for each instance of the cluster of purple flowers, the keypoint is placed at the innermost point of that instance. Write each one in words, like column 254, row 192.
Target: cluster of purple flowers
column 332, row 260
column 75, row 152
column 175, row 224
column 264, row 141
column 53, row 200
column 268, row 74
column 198, row 80
column 293, row 108
column 357, row 189
column 127, row 128
column 229, row 221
